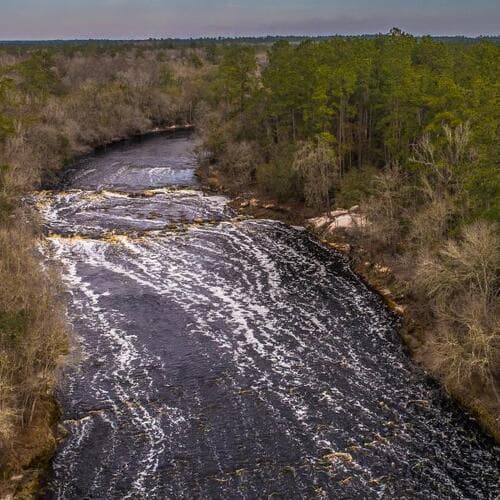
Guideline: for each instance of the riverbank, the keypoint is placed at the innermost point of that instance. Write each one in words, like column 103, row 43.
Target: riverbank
column 31, row 453
column 34, row 338
column 247, row 205
column 32, row 443
column 379, row 275
column 192, row 321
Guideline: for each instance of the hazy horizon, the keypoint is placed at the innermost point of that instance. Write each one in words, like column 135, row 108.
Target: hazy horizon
column 131, row 19
column 236, row 36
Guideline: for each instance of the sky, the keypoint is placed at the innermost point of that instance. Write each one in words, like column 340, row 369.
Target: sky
column 126, row 19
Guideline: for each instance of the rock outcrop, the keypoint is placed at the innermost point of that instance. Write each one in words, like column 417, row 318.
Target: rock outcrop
column 339, row 219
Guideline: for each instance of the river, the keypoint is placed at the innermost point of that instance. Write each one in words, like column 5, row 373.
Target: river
column 215, row 357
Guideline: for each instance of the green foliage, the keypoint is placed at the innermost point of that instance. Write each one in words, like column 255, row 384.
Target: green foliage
column 483, row 187
column 194, row 60
column 6, row 199
column 317, row 164
column 431, row 54
column 6, row 123
column 168, row 81
column 12, row 326
column 236, row 75
column 211, row 53
column 356, row 186
column 372, row 100
column 277, row 178
column 38, row 75
column 6, row 127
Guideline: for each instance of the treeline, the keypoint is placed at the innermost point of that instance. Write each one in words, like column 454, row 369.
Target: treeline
column 54, row 105
column 406, row 128
column 203, row 42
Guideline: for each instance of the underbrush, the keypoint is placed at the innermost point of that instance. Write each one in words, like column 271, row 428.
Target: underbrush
column 447, row 271
column 55, row 106
column 460, row 283
column 33, row 336
column 443, row 255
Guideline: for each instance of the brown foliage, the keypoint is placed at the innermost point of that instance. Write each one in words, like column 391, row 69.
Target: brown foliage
column 461, row 284
column 32, row 332
column 99, row 99
column 239, row 162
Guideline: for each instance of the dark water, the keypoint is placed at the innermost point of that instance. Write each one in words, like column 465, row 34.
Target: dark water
column 216, row 358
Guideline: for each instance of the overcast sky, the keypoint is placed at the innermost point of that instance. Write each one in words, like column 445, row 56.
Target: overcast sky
column 47, row 19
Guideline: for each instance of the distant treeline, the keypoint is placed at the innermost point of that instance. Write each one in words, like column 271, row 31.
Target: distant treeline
column 405, row 127
column 172, row 43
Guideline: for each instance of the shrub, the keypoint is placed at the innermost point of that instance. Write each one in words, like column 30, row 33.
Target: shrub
column 483, row 187
column 278, row 180
column 461, row 283
column 355, row 186
column 216, row 133
column 387, row 210
column 239, row 162
column 470, row 264
column 32, row 333
column 317, row 164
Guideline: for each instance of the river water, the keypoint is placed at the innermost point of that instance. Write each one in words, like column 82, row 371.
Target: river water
column 221, row 358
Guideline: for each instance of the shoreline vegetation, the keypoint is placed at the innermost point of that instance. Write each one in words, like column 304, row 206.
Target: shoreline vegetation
column 404, row 128
column 376, row 274
column 388, row 149
column 55, row 106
